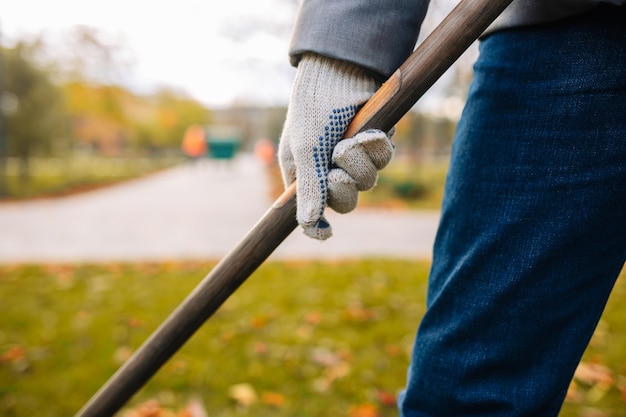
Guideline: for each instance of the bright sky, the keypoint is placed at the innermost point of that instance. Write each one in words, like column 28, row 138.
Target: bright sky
column 220, row 52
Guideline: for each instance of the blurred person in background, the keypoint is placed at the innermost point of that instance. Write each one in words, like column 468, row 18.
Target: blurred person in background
column 194, row 144
column 532, row 234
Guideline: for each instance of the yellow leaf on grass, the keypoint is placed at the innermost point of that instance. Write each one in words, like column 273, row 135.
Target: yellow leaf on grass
column 243, row 394
column 259, row 322
column 14, row 354
column 358, row 314
column 364, row 410
column 272, row 398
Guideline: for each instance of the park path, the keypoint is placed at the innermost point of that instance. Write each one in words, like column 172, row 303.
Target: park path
column 196, row 212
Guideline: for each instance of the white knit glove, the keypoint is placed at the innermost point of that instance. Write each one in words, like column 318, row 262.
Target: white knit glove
column 327, row 94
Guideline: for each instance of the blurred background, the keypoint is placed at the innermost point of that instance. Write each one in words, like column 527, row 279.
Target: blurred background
column 97, row 92
column 137, row 146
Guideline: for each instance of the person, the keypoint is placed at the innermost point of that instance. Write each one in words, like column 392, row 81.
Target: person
column 532, row 235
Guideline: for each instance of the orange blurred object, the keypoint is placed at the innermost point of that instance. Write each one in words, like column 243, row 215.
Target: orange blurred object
column 265, row 151
column 194, row 142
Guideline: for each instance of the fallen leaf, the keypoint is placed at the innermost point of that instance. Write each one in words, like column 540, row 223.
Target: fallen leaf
column 387, row 398
column 259, row 322
column 228, row 336
column 134, row 322
column 364, row 410
column 337, row 371
column 272, row 398
column 324, row 357
column 194, row 408
column 331, row 374
column 260, row 348
column 358, row 314
column 313, row 317
column 14, row 354
column 243, row 394
column 393, row 350
column 63, row 273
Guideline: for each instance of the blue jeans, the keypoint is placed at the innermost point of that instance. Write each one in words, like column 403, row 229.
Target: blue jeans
column 533, row 229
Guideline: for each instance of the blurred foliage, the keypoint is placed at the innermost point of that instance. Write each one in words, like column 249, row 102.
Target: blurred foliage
column 424, row 136
column 111, row 120
column 306, row 345
column 57, row 105
column 36, row 118
column 409, row 183
column 71, row 101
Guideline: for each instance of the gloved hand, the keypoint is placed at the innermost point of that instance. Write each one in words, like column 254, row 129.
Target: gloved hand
column 327, row 94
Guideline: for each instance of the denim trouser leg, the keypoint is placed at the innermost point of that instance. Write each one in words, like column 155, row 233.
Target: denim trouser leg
column 533, row 227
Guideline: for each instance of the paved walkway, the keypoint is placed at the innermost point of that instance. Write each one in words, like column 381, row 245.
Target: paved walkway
column 192, row 212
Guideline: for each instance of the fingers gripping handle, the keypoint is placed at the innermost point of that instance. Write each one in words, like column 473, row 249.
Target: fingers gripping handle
column 465, row 23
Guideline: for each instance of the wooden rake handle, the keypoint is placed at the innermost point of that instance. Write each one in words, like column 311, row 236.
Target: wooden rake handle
column 394, row 98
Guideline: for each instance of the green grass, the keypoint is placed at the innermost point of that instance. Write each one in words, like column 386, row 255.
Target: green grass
column 409, row 184
column 310, row 339
column 57, row 176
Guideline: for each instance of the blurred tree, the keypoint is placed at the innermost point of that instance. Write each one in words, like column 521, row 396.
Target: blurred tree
column 93, row 56
column 4, row 110
column 111, row 119
column 37, row 118
column 101, row 114
column 160, row 120
column 98, row 115
column 175, row 113
column 108, row 117
column 92, row 65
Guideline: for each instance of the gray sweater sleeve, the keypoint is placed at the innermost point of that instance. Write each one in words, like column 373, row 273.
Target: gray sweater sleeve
column 380, row 34
column 375, row 34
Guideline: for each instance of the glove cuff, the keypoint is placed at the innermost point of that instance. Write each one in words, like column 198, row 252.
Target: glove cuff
column 319, row 76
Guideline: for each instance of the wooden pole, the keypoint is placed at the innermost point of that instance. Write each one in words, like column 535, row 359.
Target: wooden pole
column 430, row 60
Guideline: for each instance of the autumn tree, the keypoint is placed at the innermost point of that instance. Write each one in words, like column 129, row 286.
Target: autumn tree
column 176, row 113
column 37, row 119
column 110, row 117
